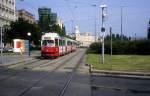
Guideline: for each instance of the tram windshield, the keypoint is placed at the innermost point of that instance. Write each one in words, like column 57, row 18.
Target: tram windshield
column 48, row 43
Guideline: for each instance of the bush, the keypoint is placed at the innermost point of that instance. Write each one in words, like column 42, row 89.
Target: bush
column 141, row 47
column 94, row 48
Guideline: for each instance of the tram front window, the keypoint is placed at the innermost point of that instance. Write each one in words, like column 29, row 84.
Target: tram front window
column 48, row 43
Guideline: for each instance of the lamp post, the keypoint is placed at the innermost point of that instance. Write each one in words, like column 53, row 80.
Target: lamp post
column 1, row 30
column 1, row 39
column 104, row 10
column 29, row 34
column 121, row 21
column 95, row 24
column 122, row 7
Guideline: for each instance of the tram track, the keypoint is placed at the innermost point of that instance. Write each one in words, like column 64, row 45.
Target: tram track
column 13, row 72
column 70, row 77
column 32, row 79
column 29, row 65
column 61, row 64
column 17, row 65
column 67, row 80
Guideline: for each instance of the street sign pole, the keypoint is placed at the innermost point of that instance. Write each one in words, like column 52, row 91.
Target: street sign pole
column 103, row 30
column 1, row 29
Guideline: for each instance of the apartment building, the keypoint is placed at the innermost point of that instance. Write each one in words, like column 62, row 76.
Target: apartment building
column 7, row 12
column 85, row 39
column 26, row 16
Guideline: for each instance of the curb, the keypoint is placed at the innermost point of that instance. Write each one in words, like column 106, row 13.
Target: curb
column 123, row 74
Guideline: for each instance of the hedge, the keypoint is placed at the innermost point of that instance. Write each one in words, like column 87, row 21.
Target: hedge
column 141, row 47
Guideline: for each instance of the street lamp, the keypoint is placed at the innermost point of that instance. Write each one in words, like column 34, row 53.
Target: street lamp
column 104, row 14
column 1, row 41
column 94, row 5
column 29, row 34
column 122, row 7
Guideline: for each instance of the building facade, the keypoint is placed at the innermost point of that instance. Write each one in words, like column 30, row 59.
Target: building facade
column 44, row 18
column 60, row 23
column 47, row 19
column 85, row 39
column 7, row 12
column 53, row 18
column 26, row 16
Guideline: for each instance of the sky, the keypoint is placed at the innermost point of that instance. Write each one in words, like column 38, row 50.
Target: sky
column 84, row 13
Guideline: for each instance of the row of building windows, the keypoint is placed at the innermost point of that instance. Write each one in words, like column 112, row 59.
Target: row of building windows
column 7, row 17
column 11, row 2
column 4, row 22
column 7, row 7
column 11, row 12
column 7, row 14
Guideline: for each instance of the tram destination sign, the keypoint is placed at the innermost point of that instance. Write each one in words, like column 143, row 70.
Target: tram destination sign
column 47, row 38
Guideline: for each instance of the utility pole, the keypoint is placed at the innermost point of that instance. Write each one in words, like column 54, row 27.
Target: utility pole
column 95, row 29
column 104, row 10
column 95, row 24
column 1, row 40
column 1, row 29
column 121, row 21
column 111, row 43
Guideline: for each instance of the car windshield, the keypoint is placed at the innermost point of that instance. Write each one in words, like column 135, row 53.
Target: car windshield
column 48, row 43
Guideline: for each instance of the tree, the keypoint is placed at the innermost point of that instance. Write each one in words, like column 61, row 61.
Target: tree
column 58, row 29
column 19, row 30
column 7, row 38
column 148, row 33
column 116, row 37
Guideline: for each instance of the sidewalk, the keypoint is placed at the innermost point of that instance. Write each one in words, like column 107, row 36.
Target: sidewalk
column 15, row 62
column 124, row 74
column 7, row 60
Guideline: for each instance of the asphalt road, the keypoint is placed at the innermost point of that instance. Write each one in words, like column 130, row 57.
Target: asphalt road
column 7, row 58
column 47, row 78
column 118, row 86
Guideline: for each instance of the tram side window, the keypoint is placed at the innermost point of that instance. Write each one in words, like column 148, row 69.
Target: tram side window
column 68, row 42
column 63, row 43
column 60, row 42
column 56, row 42
column 43, row 42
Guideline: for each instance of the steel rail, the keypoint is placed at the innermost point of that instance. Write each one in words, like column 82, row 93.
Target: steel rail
column 47, row 63
column 21, row 63
column 70, row 77
column 11, row 75
column 46, row 75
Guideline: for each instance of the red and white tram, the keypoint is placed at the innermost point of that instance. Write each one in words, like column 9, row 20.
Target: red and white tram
column 52, row 45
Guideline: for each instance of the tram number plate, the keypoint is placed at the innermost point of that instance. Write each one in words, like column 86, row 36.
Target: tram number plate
column 47, row 38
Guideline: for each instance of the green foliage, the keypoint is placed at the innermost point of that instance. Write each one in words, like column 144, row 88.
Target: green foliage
column 58, row 29
column 94, row 48
column 141, row 47
column 148, row 31
column 6, row 36
column 148, row 34
column 19, row 30
column 116, row 37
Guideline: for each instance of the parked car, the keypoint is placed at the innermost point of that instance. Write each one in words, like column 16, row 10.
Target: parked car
column 8, row 49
